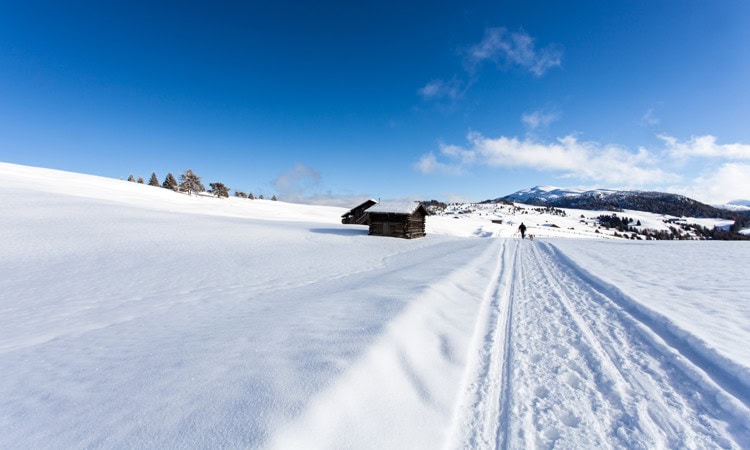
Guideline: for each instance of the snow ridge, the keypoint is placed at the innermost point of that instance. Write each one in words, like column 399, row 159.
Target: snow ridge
column 482, row 411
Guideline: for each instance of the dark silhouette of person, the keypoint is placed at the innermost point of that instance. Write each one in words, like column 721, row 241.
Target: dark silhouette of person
column 522, row 229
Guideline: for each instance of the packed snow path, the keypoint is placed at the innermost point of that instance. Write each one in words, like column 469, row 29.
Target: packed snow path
column 561, row 364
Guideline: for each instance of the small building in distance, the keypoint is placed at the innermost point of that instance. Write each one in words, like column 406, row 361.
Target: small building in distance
column 403, row 220
column 358, row 215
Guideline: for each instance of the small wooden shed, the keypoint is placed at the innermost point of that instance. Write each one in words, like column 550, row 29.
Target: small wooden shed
column 358, row 215
column 404, row 220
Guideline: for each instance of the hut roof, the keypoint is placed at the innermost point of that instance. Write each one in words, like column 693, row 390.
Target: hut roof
column 396, row 207
column 366, row 204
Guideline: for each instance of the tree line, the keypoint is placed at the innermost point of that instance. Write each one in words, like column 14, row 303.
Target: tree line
column 190, row 183
column 681, row 231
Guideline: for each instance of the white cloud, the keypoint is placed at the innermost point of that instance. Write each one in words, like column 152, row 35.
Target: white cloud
column 439, row 89
column 650, row 119
column 502, row 47
column 428, row 163
column 590, row 161
column 296, row 181
column 728, row 182
column 538, row 119
column 516, row 48
column 704, row 146
column 326, row 199
column 302, row 184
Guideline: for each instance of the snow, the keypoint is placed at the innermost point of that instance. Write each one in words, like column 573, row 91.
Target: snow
column 736, row 205
column 550, row 193
column 133, row 316
column 671, row 294
column 394, row 207
column 476, row 219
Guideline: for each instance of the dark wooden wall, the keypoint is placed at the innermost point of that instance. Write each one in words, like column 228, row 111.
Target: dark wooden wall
column 407, row 226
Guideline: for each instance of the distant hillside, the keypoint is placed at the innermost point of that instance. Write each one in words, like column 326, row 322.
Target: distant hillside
column 737, row 206
column 613, row 200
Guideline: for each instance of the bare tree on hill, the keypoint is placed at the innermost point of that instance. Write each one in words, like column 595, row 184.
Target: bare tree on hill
column 219, row 190
column 190, row 182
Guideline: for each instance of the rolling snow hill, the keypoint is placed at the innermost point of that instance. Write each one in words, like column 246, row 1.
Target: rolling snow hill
column 133, row 316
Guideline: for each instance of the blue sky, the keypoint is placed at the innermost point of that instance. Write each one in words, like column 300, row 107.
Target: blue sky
column 335, row 101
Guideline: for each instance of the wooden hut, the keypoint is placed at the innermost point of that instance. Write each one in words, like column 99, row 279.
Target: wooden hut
column 358, row 214
column 404, row 220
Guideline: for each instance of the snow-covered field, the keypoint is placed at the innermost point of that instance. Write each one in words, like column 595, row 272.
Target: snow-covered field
column 132, row 316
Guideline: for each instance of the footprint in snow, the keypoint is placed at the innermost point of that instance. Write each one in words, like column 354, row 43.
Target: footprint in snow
column 541, row 392
column 569, row 419
column 573, row 380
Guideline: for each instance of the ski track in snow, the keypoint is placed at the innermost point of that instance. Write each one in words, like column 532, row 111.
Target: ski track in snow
column 560, row 364
column 134, row 317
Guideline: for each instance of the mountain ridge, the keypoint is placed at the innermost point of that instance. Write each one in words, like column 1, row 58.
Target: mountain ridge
column 618, row 200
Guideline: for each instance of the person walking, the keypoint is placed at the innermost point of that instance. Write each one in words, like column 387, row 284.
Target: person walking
column 522, row 229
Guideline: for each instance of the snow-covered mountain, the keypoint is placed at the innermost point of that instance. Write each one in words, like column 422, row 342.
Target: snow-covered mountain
column 539, row 194
column 614, row 200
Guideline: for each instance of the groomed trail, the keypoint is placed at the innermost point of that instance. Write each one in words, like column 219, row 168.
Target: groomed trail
column 557, row 361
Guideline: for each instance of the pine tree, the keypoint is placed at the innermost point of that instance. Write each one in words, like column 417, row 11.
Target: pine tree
column 153, row 181
column 131, row 178
column 219, row 190
column 251, row 196
column 274, row 197
column 190, row 182
column 260, row 197
column 140, row 180
column 240, row 194
column 170, row 182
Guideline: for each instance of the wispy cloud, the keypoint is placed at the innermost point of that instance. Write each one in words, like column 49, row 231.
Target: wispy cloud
column 303, row 184
column 299, row 180
column 538, row 119
column 705, row 147
column 513, row 49
column 650, row 118
column 504, row 48
column 440, row 89
column 589, row 161
column 326, row 199
column 428, row 163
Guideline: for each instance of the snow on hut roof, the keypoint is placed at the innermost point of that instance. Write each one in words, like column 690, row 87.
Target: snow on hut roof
column 371, row 201
column 395, row 207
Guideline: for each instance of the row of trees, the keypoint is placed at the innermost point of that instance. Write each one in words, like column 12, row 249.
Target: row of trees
column 191, row 183
column 680, row 232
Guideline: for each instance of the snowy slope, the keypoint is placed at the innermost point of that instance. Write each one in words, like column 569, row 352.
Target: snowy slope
column 502, row 220
column 736, row 205
column 131, row 316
